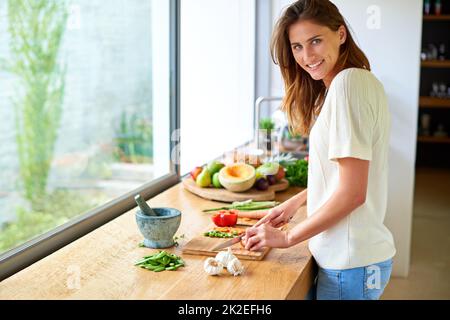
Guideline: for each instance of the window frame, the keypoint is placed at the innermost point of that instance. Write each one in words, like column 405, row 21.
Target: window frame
column 45, row 244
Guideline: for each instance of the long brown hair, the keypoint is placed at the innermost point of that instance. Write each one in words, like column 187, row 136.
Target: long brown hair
column 304, row 96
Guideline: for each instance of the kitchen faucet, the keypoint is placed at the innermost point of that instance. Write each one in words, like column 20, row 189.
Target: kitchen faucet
column 258, row 103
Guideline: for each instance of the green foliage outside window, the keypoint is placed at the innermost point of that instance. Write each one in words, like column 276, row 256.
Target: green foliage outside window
column 56, row 208
column 134, row 139
column 36, row 28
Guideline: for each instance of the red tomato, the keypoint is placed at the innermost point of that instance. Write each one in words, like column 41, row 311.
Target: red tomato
column 225, row 218
column 280, row 174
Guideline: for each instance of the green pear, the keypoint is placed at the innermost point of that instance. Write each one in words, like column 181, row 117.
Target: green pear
column 204, row 179
column 215, row 181
column 215, row 166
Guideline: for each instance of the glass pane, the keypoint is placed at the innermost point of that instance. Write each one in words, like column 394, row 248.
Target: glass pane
column 84, row 107
column 217, row 78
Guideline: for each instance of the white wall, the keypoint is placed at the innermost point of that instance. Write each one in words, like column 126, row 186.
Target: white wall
column 217, row 78
column 389, row 32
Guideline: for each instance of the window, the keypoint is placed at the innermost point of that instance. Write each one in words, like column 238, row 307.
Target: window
column 217, row 78
column 84, row 108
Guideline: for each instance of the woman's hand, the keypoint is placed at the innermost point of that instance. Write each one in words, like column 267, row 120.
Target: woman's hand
column 265, row 233
column 265, row 236
column 277, row 216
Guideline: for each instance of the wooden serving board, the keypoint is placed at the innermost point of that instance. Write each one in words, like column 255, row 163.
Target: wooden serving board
column 204, row 246
column 225, row 195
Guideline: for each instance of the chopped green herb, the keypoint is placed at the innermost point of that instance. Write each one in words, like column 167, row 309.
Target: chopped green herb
column 220, row 234
column 176, row 238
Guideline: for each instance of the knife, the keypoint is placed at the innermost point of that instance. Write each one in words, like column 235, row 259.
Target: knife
column 229, row 243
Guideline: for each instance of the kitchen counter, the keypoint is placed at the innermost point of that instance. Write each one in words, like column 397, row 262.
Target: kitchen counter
column 100, row 265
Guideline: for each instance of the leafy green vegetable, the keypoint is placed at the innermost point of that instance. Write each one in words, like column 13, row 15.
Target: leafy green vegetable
column 297, row 173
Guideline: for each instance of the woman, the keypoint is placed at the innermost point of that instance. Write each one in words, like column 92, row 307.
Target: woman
column 331, row 95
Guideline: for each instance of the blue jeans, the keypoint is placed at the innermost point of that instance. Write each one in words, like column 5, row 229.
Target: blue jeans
column 364, row 283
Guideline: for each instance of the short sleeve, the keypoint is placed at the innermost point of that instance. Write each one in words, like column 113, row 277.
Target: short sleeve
column 351, row 120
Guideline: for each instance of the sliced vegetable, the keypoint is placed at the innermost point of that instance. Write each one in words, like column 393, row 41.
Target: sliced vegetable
column 225, row 218
column 221, row 234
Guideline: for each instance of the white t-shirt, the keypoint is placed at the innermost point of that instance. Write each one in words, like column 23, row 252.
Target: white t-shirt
column 354, row 122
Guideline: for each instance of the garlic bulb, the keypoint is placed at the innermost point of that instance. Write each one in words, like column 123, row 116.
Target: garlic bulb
column 235, row 267
column 225, row 256
column 212, row 266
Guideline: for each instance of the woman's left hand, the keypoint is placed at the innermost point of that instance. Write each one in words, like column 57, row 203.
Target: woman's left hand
column 265, row 236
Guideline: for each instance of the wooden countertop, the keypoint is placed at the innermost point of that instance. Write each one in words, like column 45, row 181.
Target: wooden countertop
column 100, row 264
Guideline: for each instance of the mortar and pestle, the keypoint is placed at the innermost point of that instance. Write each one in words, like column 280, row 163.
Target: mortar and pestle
column 157, row 225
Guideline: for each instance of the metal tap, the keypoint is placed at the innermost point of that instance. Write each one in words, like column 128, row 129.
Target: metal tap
column 258, row 103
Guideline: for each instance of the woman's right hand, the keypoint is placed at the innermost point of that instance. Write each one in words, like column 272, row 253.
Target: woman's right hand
column 277, row 216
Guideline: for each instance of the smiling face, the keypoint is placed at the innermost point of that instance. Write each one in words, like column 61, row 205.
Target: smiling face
column 316, row 48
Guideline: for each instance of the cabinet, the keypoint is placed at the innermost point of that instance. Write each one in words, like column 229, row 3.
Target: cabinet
column 433, row 146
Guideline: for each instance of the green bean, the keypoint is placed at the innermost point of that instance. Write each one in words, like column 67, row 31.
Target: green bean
column 158, row 256
column 248, row 205
column 165, row 260
column 160, row 261
column 141, row 261
column 150, row 267
column 158, row 269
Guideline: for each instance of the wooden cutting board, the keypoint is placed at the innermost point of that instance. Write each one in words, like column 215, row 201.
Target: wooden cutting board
column 225, row 195
column 204, row 246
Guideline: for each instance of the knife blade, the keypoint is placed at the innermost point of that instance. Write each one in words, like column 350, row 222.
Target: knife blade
column 229, row 243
